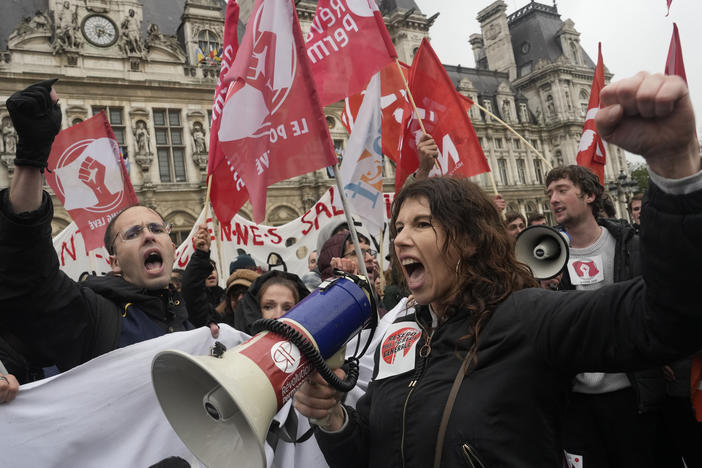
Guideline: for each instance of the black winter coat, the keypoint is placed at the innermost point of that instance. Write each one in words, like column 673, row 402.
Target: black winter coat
column 648, row 385
column 508, row 412
column 63, row 322
column 198, row 296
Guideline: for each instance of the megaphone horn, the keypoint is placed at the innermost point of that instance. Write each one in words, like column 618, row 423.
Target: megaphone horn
column 543, row 249
column 222, row 405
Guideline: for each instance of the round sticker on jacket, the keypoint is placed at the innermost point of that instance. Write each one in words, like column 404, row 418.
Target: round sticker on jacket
column 397, row 350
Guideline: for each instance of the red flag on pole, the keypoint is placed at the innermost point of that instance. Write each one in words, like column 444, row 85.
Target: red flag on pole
column 347, row 43
column 591, row 150
column 87, row 173
column 273, row 127
column 228, row 192
column 674, row 64
column 445, row 116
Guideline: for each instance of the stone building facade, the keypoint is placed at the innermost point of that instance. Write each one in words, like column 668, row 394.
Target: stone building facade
column 147, row 64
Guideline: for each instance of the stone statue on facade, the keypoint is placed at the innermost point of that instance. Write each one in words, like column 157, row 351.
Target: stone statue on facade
column 156, row 38
column 141, row 135
column 199, row 142
column 9, row 137
column 66, row 32
column 130, row 39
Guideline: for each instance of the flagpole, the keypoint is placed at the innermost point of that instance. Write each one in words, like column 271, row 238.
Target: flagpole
column 217, row 227
column 414, row 106
column 381, row 260
column 548, row 165
column 207, row 197
column 352, row 226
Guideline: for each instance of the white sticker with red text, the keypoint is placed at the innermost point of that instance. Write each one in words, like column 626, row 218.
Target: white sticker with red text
column 398, row 349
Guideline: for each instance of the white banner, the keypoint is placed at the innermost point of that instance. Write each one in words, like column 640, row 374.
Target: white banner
column 292, row 241
column 102, row 413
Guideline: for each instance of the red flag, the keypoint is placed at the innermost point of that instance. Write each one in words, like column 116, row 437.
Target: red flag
column 347, row 43
column 674, row 64
column 445, row 116
column 591, row 150
column 228, row 193
column 88, row 175
column 273, row 127
column 669, row 2
column 396, row 109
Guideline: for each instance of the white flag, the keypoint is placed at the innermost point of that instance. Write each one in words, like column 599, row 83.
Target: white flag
column 362, row 167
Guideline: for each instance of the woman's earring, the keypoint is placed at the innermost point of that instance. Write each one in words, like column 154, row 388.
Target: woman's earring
column 458, row 267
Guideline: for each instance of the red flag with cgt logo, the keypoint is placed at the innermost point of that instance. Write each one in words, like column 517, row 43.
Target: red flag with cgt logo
column 88, row 175
column 272, row 127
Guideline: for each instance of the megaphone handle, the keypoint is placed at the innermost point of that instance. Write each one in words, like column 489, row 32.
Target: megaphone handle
column 334, row 362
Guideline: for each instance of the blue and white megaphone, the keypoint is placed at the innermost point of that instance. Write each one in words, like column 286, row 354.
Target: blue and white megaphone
column 222, row 405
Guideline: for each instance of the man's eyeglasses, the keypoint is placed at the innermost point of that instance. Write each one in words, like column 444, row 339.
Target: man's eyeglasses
column 135, row 231
column 352, row 253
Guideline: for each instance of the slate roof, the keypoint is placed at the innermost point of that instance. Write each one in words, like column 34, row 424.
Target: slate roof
column 537, row 24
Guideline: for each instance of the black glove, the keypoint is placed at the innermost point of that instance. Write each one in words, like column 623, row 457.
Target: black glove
column 37, row 121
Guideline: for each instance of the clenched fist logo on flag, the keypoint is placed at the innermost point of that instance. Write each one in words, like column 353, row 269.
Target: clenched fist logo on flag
column 89, row 177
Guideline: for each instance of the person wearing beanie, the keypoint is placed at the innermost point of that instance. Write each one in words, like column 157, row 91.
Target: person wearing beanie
column 242, row 261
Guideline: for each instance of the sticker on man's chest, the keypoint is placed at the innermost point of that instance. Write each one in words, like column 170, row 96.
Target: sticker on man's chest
column 397, row 350
column 586, row 270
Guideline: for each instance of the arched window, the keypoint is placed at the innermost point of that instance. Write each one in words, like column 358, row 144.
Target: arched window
column 584, row 98
column 574, row 52
column 207, row 41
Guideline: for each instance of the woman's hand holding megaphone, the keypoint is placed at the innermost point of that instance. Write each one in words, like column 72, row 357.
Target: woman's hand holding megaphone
column 317, row 400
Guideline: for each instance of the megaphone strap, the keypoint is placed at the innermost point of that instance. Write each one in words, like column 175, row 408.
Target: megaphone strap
column 311, row 353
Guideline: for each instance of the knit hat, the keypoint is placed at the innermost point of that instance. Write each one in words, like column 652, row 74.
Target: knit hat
column 242, row 261
column 243, row 277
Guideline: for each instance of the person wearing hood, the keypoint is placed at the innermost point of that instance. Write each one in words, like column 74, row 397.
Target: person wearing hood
column 237, row 284
column 64, row 322
column 270, row 296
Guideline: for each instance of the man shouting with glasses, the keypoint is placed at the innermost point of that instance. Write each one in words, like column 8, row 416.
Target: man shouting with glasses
column 55, row 320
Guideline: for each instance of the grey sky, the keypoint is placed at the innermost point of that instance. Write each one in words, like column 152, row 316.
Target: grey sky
column 635, row 34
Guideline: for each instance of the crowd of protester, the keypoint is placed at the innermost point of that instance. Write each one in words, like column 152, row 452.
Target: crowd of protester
column 542, row 377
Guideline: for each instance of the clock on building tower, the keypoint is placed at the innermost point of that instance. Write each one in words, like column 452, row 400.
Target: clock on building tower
column 99, row 30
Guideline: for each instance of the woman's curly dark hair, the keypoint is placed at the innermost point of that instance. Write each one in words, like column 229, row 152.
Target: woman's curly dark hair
column 488, row 270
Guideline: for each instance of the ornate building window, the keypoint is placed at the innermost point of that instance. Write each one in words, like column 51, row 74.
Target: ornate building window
column 207, row 41
column 502, row 169
column 498, row 143
column 169, row 145
column 116, row 119
column 537, row 170
column 517, row 143
column 487, row 104
column 584, row 98
column 574, row 52
column 521, row 171
column 524, row 112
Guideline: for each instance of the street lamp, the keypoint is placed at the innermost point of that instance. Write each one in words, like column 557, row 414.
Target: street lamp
column 623, row 189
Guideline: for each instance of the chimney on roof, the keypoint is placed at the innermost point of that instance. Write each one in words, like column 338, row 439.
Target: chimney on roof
column 497, row 39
